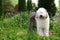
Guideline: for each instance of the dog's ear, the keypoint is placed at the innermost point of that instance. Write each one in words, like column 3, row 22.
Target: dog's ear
column 47, row 14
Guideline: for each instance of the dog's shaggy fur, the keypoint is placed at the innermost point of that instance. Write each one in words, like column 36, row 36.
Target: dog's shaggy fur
column 42, row 22
column 32, row 24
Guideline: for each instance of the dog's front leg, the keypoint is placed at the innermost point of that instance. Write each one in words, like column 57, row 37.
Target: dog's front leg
column 40, row 31
column 46, row 31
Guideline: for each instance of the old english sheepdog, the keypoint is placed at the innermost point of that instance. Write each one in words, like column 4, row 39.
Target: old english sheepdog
column 42, row 22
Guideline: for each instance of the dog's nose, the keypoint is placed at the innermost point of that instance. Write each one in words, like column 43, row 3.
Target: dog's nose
column 41, row 16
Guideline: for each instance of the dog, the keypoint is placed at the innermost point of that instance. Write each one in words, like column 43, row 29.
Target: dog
column 32, row 24
column 42, row 22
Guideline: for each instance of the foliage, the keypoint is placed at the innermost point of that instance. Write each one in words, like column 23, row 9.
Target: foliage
column 49, row 5
column 29, row 5
column 14, row 2
column 7, row 6
column 14, row 28
column 52, row 24
column 21, row 5
column 1, row 9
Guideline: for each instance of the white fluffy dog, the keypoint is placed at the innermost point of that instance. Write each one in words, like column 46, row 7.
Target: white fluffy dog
column 42, row 22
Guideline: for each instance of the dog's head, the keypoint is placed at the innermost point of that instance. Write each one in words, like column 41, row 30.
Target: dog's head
column 41, row 13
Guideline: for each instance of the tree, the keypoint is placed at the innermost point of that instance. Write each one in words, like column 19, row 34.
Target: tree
column 1, row 9
column 29, row 5
column 49, row 5
column 59, row 4
column 21, row 5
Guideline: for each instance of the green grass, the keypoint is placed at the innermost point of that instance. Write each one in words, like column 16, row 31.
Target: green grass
column 15, row 28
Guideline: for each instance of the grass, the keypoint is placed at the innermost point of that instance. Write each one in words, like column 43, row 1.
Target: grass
column 15, row 28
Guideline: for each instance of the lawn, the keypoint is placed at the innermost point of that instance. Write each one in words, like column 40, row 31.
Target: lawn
column 16, row 27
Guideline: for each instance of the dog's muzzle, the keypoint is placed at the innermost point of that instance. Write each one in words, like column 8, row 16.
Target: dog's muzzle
column 42, row 17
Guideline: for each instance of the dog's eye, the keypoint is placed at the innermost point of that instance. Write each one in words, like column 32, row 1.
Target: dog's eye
column 46, row 17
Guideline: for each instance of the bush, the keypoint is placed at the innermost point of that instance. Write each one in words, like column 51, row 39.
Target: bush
column 52, row 24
